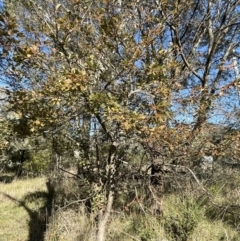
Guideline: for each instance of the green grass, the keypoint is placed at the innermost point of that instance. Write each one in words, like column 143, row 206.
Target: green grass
column 187, row 211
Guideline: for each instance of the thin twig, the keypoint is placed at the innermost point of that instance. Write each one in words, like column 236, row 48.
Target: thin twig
column 138, row 201
column 75, row 175
column 77, row 201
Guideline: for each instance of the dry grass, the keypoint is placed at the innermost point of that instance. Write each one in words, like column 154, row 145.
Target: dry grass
column 77, row 225
column 214, row 231
column 206, row 230
column 14, row 219
column 71, row 225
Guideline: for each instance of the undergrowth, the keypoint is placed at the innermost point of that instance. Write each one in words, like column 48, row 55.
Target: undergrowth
column 187, row 216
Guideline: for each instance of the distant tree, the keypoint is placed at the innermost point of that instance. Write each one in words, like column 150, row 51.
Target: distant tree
column 8, row 28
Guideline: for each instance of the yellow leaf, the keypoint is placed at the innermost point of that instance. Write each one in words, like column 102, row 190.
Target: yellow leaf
column 37, row 122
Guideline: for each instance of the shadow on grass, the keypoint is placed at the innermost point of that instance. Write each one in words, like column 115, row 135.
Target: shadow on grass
column 38, row 217
column 6, row 178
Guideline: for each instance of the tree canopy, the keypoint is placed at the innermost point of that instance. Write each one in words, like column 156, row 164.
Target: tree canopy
column 112, row 81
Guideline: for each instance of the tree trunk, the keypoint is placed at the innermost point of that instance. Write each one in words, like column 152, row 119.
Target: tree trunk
column 103, row 218
column 104, row 213
column 20, row 168
column 156, row 187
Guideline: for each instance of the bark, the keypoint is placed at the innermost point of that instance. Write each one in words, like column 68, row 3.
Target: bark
column 103, row 218
column 20, row 168
column 104, row 213
column 156, row 187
